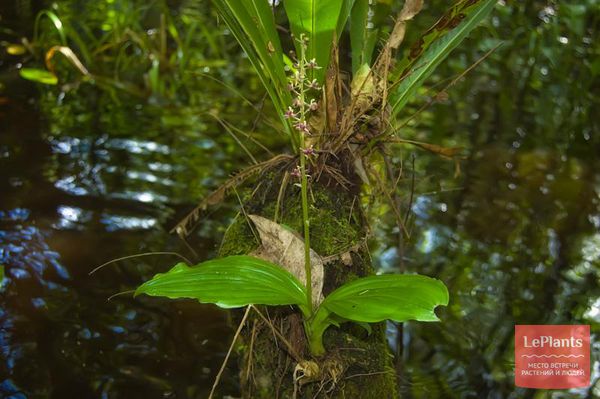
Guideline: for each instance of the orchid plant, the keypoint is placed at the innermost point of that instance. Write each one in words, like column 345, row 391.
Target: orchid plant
column 306, row 90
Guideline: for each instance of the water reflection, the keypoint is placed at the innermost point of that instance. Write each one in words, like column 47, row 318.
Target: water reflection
column 76, row 195
column 511, row 253
column 87, row 177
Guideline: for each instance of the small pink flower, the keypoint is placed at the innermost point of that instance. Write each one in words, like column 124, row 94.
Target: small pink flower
column 302, row 127
column 313, row 106
column 289, row 113
column 308, row 151
column 296, row 172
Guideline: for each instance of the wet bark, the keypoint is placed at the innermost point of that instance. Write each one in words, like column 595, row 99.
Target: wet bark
column 356, row 365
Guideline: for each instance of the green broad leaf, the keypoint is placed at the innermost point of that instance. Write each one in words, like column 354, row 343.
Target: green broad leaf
column 387, row 297
column 433, row 47
column 38, row 75
column 322, row 22
column 336, row 320
column 362, row 36
column 229, row 282
column 366, row 327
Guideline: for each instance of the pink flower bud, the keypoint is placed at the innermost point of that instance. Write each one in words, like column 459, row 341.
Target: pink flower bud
column 289, row 113
column 296, row 172
column 308, row 151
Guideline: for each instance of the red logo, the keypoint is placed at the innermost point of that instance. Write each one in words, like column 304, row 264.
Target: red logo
column 552, row 357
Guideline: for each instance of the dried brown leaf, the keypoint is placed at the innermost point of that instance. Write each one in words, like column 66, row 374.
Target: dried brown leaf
column 449, row 152
column 284, row 247
column 397, row 34
column 332, row 98
column 188, row 223
column 410, row 9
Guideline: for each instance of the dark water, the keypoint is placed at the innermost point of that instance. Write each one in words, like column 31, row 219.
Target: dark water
column 86, row 177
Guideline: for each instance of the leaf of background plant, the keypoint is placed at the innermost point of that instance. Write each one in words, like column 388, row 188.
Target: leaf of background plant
column 432, row 48
column 55, row 21
column 229, row 282
column 322, row 23
column 387, row 297
column 16, row 49
column 38, row 75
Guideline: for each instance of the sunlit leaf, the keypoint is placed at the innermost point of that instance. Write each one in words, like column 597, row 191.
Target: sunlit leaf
column 433, row 47
column 388, row 297
column 229, row 282
column 69, row 54
column 377, row 298
column 55, row 21
column 38, row 75
column 362, row 35
column 321, row 22
column 15, row 49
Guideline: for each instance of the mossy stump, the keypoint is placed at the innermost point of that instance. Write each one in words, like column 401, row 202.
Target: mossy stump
column 356, row 365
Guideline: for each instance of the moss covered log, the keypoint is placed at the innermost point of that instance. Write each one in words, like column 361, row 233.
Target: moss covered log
column 356, row 365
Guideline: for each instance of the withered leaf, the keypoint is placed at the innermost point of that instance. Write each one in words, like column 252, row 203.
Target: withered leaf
column 284, row 247
column 410, row 9
column 363, row 88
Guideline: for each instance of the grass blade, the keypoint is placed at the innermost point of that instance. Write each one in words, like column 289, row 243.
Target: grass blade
column 253, row 25
column 433, row 47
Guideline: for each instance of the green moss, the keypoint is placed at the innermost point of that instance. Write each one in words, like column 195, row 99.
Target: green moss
column 238, row 239
column 331, row 230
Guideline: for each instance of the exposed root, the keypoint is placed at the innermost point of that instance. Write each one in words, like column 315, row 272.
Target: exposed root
column 235, row 337
column 289, row 347
column 186, row 260
column 249, row 368
column 282, row 188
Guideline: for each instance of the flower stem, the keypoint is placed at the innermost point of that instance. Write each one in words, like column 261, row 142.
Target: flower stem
column 304, row 186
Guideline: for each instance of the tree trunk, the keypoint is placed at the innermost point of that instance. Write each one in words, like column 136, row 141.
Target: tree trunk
column 356, row 365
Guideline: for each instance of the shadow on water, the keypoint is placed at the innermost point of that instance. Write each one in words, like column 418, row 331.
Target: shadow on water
column 88, row 176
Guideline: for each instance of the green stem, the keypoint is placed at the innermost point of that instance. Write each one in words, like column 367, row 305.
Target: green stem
column 304, row 188
column 306, row 222
column 315, row 327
